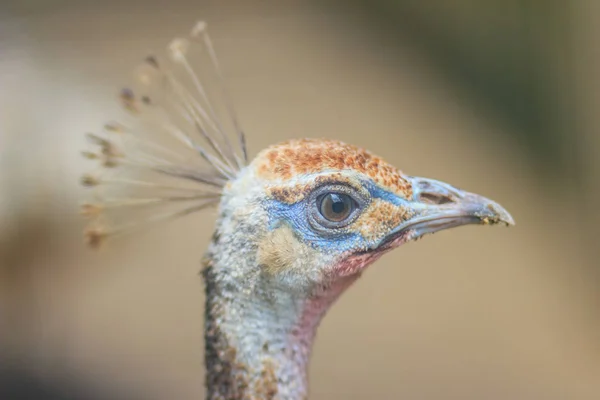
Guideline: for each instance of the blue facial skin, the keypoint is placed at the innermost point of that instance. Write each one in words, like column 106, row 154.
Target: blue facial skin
column 295, row 215
column 378, row 193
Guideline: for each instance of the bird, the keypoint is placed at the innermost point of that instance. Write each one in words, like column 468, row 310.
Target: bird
column 295, row 226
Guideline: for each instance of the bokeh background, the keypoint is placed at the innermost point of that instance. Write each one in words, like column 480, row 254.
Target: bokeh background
column 498, row 97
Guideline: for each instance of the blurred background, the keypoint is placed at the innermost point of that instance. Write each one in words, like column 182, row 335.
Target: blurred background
column 497, row 97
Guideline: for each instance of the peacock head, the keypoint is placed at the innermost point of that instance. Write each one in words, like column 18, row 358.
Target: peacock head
column 329, row 209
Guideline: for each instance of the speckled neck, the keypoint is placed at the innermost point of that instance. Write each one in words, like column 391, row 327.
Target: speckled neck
column 266, row 292
column 258, row 342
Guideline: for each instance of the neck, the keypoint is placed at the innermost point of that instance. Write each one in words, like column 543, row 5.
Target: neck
column 258, row 342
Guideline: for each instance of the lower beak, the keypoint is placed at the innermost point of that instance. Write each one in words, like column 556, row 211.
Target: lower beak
column 437, row 206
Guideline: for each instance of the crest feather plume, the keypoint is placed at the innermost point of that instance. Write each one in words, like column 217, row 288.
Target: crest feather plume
column 174, row 151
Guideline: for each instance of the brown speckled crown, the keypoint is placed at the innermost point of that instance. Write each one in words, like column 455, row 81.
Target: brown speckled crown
column 306, row 156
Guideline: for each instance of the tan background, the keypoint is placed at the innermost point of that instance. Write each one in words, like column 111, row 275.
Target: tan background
column 474, row 313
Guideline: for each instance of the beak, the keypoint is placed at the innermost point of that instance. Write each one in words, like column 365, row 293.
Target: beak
column 436, row 206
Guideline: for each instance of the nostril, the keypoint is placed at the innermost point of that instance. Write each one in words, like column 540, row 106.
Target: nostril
column 435, row 198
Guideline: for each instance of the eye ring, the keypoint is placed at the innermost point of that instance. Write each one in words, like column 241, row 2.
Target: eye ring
column 324, row 221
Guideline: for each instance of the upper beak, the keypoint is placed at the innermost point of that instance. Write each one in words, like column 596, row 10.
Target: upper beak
column 437, row 206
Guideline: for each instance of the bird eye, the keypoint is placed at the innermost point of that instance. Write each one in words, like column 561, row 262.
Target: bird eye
column 336, row 207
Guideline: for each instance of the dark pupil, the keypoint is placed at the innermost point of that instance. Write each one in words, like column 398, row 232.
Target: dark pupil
column 336, row 207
